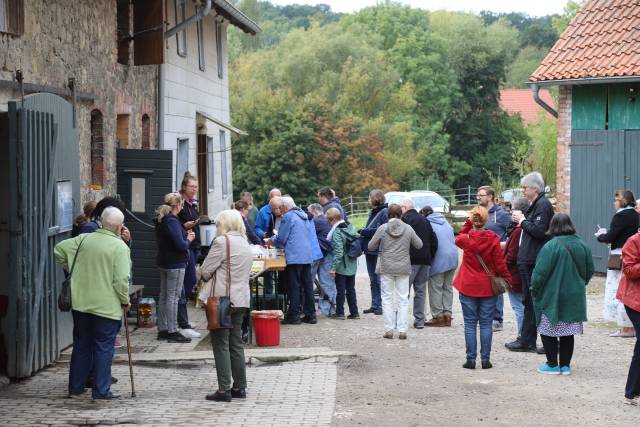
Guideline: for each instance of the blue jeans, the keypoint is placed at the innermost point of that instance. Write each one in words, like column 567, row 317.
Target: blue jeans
column 299, row 280
column 268, row 283
column 374, row 279
column 478, row 310
column 498, row 313
column 515, row 298
column 346, row 284
column 327, row 300
column 93, row 340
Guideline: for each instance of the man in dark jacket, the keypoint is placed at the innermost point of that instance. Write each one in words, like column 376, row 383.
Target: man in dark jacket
column 535, row 224
column 377, row 217
column 322, row 267
column 420, row 259
column 327, row 199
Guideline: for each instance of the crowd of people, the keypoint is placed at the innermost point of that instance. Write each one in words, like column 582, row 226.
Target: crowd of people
column 537, row 252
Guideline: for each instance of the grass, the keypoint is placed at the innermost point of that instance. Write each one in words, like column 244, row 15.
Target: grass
column 358, row 221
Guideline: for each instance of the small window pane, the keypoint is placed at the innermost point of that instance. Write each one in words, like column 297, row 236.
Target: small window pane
column 210, row 164
column 138, row 194
column 223, row 163
column 182, row 164
column 64, row 205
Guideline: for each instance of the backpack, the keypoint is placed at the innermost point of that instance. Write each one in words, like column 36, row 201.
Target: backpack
column 353, row 246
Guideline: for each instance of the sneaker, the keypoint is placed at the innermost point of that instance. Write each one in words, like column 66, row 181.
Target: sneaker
column 177, row 337
column 377, row 312
column 163, row 335
column 108, row 396
column 291, row 321
column 402, row 336
column 565, row 370
column 388, row 335
column 469, row 364
column 486, row 364
column 219, row 396
column 517, row 346
column 497, row 326
column 418, row 325
column 339, row 317
column 353, row 316
column 549, row 370
column 369, row 310
column 310, row 320
column 633, row 402
column 240, row 393
column 190, row 333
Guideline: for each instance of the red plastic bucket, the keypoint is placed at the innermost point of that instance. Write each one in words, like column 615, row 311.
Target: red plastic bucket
column 266, row 325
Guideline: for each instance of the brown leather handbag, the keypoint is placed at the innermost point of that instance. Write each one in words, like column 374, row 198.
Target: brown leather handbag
column 499, row 285
column 219, row 308
column 615, row 262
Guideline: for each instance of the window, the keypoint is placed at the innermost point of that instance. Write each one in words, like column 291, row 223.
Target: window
column 219, row 49
column 64, row 205
column 210, row 164
column 201, row 50
column 97, row 151
column 122, row 131
column 182, row 163
column 123, row 30
column 223, row 163
column 181, row 36
column 12, row 17
column 138, row 194
column 146, row 132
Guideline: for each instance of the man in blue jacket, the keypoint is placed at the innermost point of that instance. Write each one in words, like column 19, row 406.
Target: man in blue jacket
column 297, row 235
column 265, row 223
column 499, row 221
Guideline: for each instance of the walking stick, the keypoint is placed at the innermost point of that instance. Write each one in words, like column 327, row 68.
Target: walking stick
column 126, row 328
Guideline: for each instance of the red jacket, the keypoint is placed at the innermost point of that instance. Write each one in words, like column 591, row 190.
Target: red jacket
column 511, row 258
column 629, row 288
column 471, row 279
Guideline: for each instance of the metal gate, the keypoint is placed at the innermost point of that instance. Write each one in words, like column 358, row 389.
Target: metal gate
column 602, row 161
column 44, row 198
column 144, row 177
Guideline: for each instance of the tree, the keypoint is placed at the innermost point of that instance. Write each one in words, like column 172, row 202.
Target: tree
column 572, row 7
column 523, row 66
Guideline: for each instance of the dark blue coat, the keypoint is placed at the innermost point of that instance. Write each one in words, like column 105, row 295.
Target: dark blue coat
column 377, row 217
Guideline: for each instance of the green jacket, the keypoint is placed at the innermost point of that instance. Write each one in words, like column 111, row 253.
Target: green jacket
column 558, row 288
column 100, row 280
column 342, row 263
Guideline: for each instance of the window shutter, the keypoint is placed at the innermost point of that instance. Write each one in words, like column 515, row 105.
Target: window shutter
column 12, row 17
column 148, row 32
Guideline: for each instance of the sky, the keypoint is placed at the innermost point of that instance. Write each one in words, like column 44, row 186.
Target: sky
column 530, row 7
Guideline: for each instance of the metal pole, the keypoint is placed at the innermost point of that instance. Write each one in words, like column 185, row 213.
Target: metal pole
column 126, row 328
column 469, row 195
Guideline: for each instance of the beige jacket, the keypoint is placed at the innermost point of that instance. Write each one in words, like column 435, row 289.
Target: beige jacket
column 216, row 263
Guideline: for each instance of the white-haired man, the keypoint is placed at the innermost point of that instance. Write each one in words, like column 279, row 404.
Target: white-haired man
column 99, row 291
column 297, row 235
column 534, row 223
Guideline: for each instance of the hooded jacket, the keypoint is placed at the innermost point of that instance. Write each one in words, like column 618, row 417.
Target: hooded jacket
column 629, row 289
column 446, row 258
column 173, row 245
column 499, row 221
column 423, row 229
column 335, row 203
column 377, row 217
column 534, row 230
column 393, row 241
column 471, row 279
column 297, row 235
column 342, row 263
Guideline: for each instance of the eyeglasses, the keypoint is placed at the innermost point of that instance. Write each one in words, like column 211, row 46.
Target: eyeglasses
column 481, row 195
column 192, row 186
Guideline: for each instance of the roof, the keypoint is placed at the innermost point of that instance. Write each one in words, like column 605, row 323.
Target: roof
column 602, row 41
column 520, row 101
column 235, row 16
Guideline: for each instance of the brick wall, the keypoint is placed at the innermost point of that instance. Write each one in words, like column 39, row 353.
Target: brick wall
column 563, row 179
column 71, row 38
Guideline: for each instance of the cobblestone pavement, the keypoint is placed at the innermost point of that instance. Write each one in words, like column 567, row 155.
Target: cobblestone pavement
column 295, row 393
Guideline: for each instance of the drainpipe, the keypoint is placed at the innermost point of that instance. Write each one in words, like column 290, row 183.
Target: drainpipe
column 202, row 12
column 161, row 106
column 535, row 89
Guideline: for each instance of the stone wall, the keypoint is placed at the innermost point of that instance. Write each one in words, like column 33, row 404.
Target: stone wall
column 71, row 38
column 563, row 179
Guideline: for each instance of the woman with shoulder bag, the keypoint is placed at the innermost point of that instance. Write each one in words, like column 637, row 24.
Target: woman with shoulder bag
column 227, row 268
column 629, row 295
column 482, row 256
column 624, row 224
column 558, row 286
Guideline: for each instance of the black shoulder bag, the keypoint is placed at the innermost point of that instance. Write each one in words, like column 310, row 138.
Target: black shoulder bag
column 64, row 299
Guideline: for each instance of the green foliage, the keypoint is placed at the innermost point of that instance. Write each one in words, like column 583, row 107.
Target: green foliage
column 527, row 61
column 543, row 152
column 572, row 7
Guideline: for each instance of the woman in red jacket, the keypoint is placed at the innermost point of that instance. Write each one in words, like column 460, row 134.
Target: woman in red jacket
column 629, row 295
column 472, row 282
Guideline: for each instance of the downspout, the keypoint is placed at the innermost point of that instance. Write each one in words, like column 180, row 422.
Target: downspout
column 204, row 11
column 535, row 89
column 161, row 103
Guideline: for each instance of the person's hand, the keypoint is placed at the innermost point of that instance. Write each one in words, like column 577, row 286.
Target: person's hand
column 503, row 245
column 189, row 225
column 517, row 217
column 332, row 273
column 600, row 232
column 190, row 236
column 126, row 307
column 125, row 234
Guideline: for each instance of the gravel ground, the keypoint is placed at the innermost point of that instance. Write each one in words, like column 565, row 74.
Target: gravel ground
column 420, row 381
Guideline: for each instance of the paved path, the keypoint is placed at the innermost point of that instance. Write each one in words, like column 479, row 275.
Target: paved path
column 295, row 393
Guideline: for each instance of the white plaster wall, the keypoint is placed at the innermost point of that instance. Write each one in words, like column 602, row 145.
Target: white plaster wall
column 187, row 89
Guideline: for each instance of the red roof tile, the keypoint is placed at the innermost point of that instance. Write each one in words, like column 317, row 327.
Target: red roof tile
column 520, row 101
column 602, row 40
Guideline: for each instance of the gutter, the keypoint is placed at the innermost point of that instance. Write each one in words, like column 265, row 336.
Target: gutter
column 587, row 81
column 236, row 17
column 535, row 90
column 202, row 12
column 161, row 106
